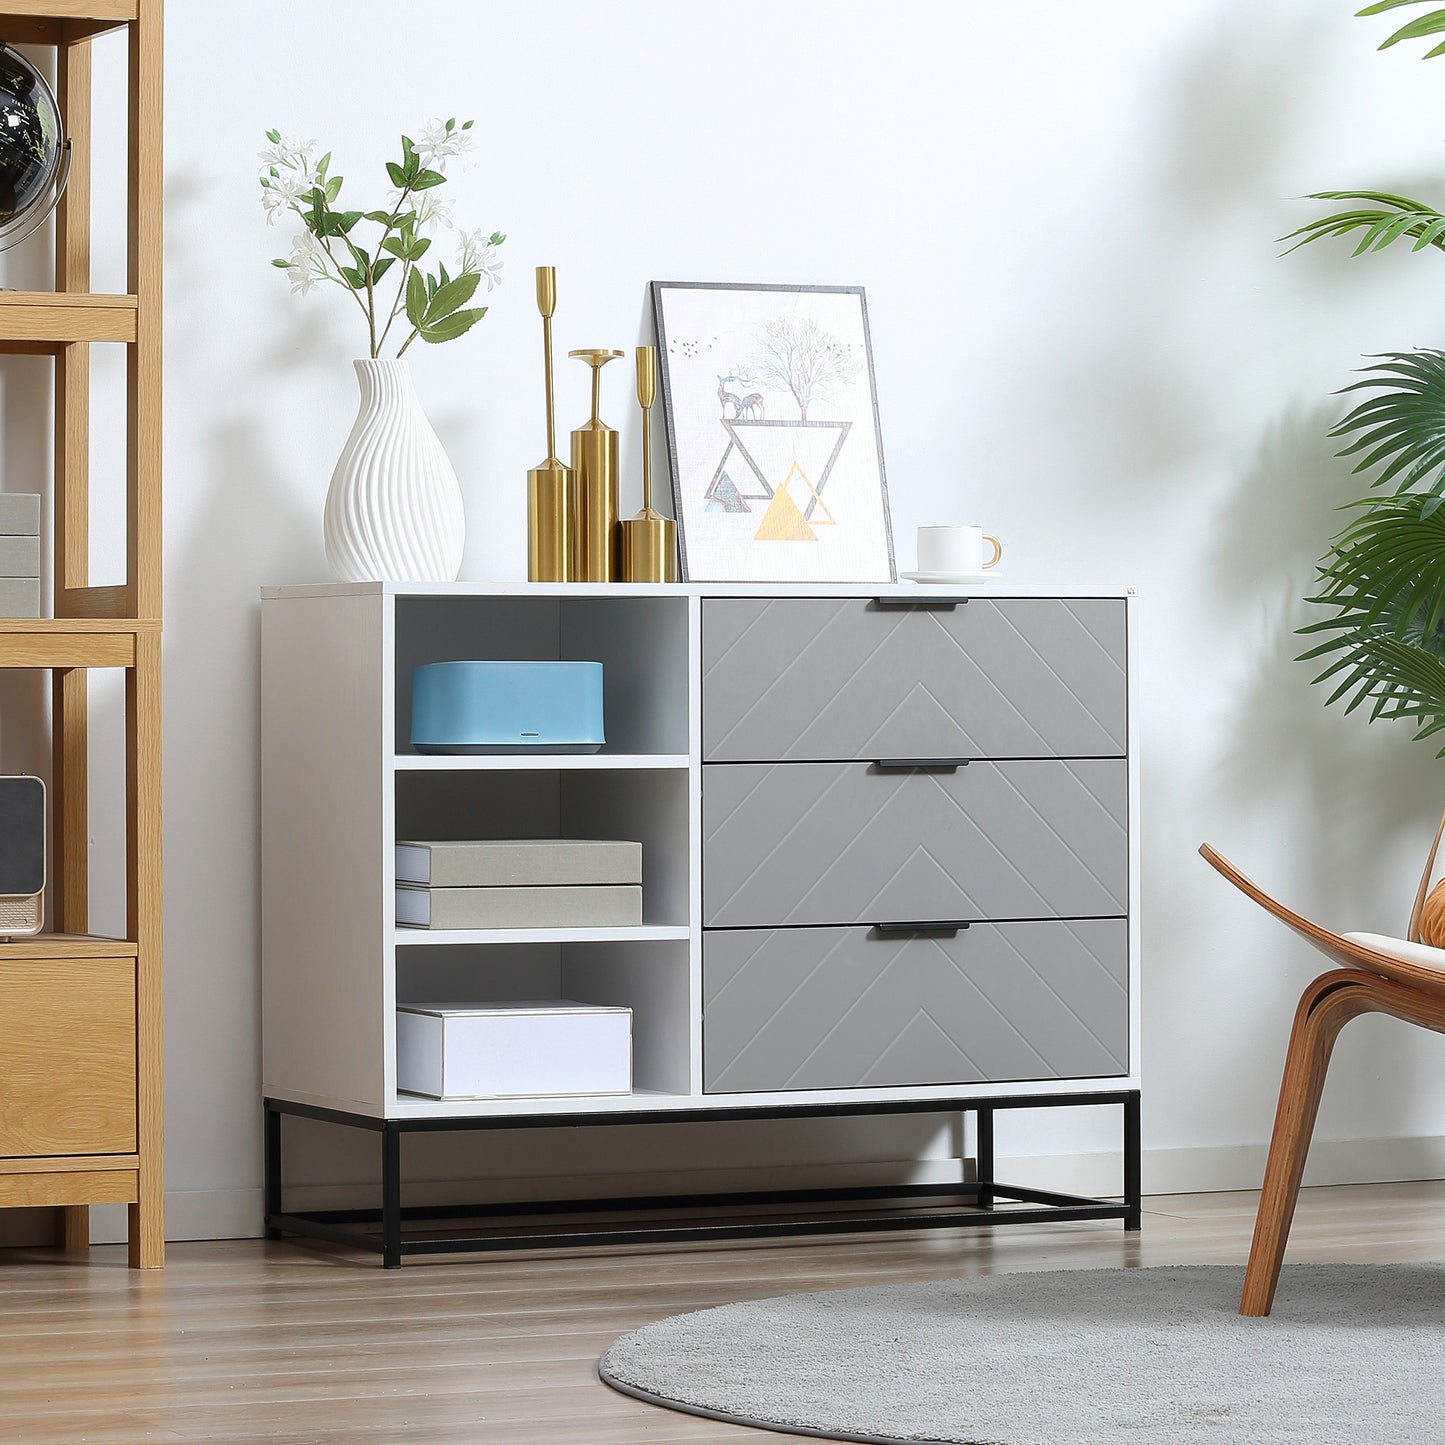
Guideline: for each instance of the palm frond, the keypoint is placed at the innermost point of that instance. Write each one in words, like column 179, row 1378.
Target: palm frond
column 1400, row 426
column 1385, row 218
column 1431, row 24
column 1384, row 645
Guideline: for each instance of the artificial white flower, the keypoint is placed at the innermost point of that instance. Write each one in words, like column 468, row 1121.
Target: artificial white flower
column 308, row 266
column 475, row 253
column 281, row 193
column 438, row 144
column 290, row 154
column 432, row 209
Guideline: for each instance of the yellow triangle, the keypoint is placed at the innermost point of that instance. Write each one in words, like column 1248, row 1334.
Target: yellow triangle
column 783, row 522
column 828, row 519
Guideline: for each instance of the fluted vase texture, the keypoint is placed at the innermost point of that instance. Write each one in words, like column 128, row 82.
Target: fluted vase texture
column 394, row 509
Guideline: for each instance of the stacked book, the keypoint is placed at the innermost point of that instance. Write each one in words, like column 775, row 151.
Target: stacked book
column 19, row 554
column 519, row 883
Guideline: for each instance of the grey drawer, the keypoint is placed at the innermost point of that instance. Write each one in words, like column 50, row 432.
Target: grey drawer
column 844, row 1008
column 804, row 843
column 835, row 679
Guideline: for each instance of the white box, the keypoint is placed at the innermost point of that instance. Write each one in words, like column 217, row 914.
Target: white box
column 513, row 1050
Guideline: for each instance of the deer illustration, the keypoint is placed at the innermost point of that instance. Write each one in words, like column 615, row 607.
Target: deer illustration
column 750, row 405
column 727, row 398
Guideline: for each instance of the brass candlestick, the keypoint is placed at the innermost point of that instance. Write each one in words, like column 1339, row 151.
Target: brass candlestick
column 649, row 540
column 594, row 486
column 549, row 483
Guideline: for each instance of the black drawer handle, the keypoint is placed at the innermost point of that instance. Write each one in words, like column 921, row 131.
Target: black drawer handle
column 950, row 927
column 926, row 604
column 921, row 765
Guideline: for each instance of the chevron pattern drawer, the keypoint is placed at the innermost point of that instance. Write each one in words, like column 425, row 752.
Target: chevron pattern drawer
column 829, row 1008
column 831, row 679
column 831, row 843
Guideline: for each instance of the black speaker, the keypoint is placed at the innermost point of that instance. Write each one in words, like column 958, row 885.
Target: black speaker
column 22, row 855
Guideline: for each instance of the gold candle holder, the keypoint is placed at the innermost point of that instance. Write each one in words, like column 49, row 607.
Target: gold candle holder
column 549, row 483
column 649, row 540
column 594, row 486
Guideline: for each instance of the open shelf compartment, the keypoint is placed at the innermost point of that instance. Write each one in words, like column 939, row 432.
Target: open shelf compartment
column 650, row 978
column 641, row 643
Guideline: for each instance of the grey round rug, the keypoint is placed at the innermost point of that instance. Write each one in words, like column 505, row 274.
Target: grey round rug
column 1352, row 1353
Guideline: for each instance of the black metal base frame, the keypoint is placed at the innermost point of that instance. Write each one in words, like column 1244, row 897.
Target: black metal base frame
column 342, row 1226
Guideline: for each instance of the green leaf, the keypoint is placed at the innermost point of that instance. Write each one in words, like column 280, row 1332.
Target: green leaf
column 382, row 218
column 425, row 180
column 346, row 220
column 418, row 248
column 451, row 296
column 395, row 246
column 415, row 299
column 450, row 327
column 323, row 163
column 333, row 188
column 380, row 267
column 353, row 278
column 397, row 174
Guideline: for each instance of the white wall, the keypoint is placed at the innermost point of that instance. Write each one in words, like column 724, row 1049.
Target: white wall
column 1065, row 217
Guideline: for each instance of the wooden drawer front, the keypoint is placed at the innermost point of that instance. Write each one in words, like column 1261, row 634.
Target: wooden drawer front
column 67, row 1057
column 834, row 679
column 805, row 843
column 844, row 1008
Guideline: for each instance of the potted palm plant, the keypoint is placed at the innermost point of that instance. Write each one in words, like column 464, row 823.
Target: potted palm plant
column 1383, row 579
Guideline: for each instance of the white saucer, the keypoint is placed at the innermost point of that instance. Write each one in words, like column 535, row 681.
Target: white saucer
column 950, row 576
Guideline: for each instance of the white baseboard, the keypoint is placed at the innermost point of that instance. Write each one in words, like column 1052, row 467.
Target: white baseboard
column 237, row 1213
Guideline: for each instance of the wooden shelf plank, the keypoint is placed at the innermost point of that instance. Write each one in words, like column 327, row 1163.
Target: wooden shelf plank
column 115, row 11
column 28, row 318
column 68, row 1186
column 78, row 626
column 65, row 945
column 65, row 1163
column 36, row 645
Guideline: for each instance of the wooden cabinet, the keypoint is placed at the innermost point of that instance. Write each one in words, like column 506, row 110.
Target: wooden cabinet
column 80, row 1016
column 67, row 1057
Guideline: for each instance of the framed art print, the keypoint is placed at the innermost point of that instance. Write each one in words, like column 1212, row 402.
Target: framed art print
column 772, row 432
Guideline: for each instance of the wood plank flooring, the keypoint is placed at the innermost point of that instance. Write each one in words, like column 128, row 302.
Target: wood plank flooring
column 245, row 1340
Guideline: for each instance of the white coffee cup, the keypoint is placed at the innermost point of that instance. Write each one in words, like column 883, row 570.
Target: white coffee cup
column 956, row 550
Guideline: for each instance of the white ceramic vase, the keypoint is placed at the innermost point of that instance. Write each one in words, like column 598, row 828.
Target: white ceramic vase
column 394, row 509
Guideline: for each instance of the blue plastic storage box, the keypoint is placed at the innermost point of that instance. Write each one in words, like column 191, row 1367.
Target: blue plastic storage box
column 507, row 707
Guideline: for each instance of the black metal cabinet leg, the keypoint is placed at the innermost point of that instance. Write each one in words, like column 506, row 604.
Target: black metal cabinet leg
column 391, row 1194
column 1133, row 1174
column 272, row 1170
column 984, row 1148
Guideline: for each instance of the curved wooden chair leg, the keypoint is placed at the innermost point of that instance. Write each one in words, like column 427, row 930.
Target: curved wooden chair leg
column 1324, row 1008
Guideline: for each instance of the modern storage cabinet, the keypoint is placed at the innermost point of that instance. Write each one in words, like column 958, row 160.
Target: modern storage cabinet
column 80, row 1014
column 889, row 861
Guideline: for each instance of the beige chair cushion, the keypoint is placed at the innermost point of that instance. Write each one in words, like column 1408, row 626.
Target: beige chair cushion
column 1417, row 953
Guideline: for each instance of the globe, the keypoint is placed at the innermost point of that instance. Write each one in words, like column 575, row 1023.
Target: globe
column 34, row 156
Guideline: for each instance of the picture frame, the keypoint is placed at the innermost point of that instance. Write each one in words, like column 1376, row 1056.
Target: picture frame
column 773, row 436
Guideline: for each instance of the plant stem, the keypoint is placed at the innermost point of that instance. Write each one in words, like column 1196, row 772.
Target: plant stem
column 401, row 350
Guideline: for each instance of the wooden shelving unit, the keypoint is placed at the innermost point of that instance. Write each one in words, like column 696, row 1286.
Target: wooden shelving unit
column 80, row 1016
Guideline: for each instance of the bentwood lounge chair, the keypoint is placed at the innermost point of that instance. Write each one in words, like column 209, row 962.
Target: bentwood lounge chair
column 1402, row 977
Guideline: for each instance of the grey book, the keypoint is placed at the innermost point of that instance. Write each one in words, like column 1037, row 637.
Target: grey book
column 19, row 556
column 19, row 597
column 576, row 906
column 519, row 862
column 19, row 514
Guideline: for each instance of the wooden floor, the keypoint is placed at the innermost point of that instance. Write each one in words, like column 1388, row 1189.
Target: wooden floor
column 245, row 1340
